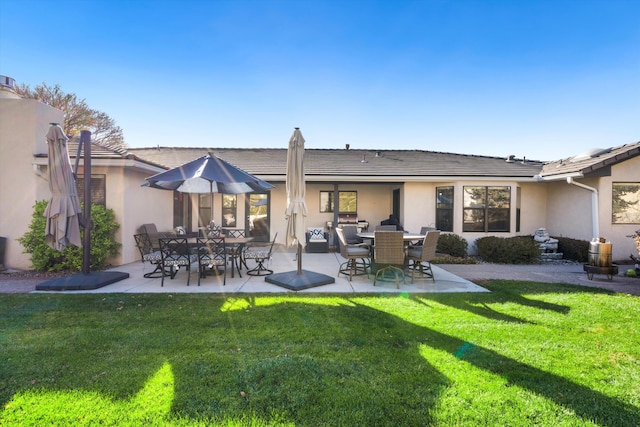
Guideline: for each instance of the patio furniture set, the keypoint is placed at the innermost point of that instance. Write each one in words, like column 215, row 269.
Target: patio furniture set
column 387, row 250
column 211, row 253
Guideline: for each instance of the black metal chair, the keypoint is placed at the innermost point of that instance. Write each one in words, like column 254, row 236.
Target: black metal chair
column 261, row 255
column 176, row 253
column 212, row 256
column 150, row 255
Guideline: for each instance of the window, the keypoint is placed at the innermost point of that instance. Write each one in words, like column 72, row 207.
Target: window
column 486, row 208
column 229, row 210
column 626, row 203
column 98, row 189
column 347, row 201
column 444, row 208
column 204, row 209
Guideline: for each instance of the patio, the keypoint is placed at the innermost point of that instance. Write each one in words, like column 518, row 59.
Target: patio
column 283, row 260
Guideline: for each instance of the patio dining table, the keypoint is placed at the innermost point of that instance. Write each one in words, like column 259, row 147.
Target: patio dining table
column 407, row 237
column 234, row 247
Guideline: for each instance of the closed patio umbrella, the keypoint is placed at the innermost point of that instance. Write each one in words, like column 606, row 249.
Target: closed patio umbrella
column 296, row 212
column 63, row 210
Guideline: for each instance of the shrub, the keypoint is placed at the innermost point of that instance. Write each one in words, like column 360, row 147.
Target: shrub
column 452, row 244
column 573, row 249
column 511, row 250
column 44, row 258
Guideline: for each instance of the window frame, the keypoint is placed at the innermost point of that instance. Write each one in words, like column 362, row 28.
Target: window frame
column 233, row 209
column 616, row 204
column 478, row 218
column 98, row 189
column 444, row 211
column 327, row 204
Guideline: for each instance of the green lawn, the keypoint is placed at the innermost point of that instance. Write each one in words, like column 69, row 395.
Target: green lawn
column 525, row 354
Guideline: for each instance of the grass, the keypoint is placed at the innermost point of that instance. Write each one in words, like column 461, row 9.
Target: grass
column 524, row 354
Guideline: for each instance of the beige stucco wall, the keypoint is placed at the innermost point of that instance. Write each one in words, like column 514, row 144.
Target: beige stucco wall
column 420, row 207
column 23, row 126
column 623, row 246
column 374, row 204
column 569, row 209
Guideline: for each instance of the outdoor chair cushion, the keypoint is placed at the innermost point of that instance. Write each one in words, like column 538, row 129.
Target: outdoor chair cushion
column 362, row 251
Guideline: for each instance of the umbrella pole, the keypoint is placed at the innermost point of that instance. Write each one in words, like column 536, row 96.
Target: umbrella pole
column 85, row 141
column 299, row 258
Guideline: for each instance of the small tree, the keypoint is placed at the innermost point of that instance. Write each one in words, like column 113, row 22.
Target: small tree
column 44, row 258
column 78, row 115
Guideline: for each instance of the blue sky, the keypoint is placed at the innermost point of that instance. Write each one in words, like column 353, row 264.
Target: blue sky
column 542, row 79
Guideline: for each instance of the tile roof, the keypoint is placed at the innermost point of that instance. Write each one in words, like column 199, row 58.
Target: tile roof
column 590, row 162
column 350, row 163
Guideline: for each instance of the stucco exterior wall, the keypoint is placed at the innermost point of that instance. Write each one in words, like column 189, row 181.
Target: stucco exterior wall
column 420, row 205
column 569, row 210
column 623, row 246
column 533, row 207
column 23, row 127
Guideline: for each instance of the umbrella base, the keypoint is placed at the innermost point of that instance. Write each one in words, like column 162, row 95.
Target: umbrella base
column 82, row 282
column 296, row 282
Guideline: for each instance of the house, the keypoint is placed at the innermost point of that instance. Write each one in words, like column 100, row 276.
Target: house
column 469, row 195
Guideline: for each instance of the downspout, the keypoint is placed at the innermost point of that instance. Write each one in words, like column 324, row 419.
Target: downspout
column 594, row 205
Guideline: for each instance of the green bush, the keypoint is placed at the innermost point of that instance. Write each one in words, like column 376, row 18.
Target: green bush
column 452, row 244
column 44, row 258
column 510, row 250
column 577, row 250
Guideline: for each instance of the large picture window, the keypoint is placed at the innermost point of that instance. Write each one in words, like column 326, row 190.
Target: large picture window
column 98, row 189
column 444, row 208
column 347, row 201
column 486, row 209
column 626, row 203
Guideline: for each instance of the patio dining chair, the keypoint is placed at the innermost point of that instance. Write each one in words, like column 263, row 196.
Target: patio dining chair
column 261, row 255
column 212, row 256
column 388, row 256
column 176, row 253
column 356, row 254
column 149, row 254
column 420, row 256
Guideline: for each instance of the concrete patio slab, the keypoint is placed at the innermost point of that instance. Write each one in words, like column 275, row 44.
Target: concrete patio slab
column 283, row 260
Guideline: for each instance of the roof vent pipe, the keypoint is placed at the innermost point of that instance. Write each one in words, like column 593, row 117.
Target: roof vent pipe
column 346, row 146
column 594, row 205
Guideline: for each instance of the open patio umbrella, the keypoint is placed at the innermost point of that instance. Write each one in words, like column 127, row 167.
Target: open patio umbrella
column 208, row 174
column 63, row 210
column 296, row 212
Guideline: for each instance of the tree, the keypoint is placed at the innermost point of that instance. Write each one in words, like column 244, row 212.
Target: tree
column 78, row 115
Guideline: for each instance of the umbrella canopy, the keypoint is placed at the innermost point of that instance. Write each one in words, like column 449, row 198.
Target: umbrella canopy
column 208, row 174
column 297, row 208
column 63, row 210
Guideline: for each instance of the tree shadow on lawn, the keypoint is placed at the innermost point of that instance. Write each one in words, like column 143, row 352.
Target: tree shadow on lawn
column 511, row 291
column 359, row 374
